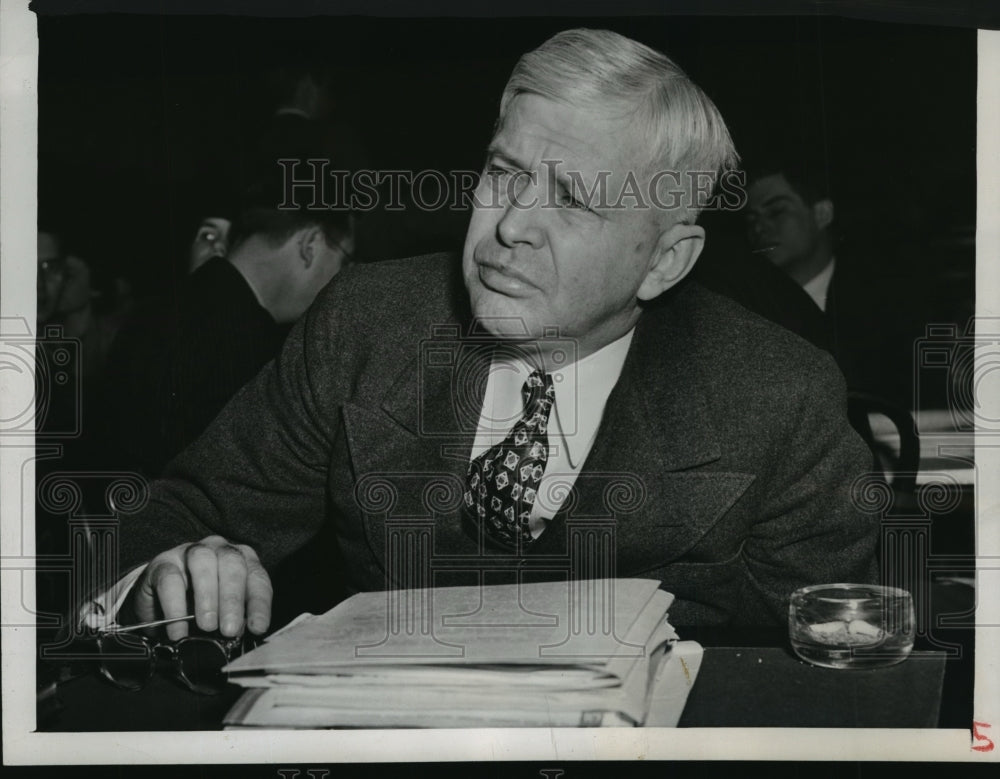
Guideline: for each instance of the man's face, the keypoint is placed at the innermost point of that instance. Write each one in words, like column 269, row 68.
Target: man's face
column 536, row 256
column 211, row 240
column 51, row 274
column 76, row 292
column 780, row 225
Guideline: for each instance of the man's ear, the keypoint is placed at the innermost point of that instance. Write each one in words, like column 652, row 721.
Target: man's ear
column 310, row 242
column 823, row 213
column 673, row 258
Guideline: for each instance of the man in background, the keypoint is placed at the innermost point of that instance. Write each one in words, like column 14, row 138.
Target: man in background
column 867, row 319
column 51, row 274
column 182, row 358
column 211, row 239
column 791, row 225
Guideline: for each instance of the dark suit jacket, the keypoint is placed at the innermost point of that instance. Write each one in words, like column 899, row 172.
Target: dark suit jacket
column 179, row 361
column 723, row 466
column 759, row 285
column 870, row 324
column 873, row 323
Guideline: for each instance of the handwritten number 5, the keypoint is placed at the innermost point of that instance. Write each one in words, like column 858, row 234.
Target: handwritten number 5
column 977, row 736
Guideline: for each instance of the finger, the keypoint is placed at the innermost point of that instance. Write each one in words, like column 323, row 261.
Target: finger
column 259, row 593
column 144, row 597
column 203, row 570
column 170, row 587
column 232, row 589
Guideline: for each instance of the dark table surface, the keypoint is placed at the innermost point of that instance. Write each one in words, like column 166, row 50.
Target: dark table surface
column 770, row 687
column 736, row 687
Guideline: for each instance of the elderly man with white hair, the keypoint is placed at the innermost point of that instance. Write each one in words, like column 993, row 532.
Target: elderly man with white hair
column 562, row 387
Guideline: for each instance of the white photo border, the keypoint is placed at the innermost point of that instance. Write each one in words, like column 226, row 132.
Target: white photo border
column 22, row 746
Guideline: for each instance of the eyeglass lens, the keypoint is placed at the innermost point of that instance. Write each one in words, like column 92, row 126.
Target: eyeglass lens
column 128, row 660
column 200, row 662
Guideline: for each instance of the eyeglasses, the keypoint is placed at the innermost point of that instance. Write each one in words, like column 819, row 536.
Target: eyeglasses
column 128, row 660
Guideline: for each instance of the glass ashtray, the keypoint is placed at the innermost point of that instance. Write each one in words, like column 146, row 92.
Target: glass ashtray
column 851, row 625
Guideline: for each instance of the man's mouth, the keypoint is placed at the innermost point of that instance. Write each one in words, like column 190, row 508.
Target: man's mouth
column 504, row 280
column 765, row 249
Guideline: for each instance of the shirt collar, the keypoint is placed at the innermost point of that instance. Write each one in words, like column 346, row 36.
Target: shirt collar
column 582, row 389
column 819, row 285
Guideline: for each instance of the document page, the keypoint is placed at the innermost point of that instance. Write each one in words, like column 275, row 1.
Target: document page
column 579, row 624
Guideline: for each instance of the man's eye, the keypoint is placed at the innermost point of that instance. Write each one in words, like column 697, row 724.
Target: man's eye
column 51, row 267
column 566, row 200
column 494, row 172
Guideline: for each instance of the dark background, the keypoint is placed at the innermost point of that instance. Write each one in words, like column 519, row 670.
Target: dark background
column 143, row 119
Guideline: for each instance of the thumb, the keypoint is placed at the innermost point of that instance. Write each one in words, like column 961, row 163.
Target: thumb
column 143, row 599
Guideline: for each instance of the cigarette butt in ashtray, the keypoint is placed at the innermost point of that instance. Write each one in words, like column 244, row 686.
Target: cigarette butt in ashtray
column 853, row 633
column 858, row 627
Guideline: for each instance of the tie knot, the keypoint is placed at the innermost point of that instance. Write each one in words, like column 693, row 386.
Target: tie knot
column 538, row 392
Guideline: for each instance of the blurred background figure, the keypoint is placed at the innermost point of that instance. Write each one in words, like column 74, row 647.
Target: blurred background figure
column 796, row 269
column 245, row 270
column 205, row 220
column 53, row 412
column 71, row 296
column 299, row 122
column 183, row 356
column 51, row 272
column 76, row 327
column 791, row 226
column 210, row 240
column 77, row 310
column 870, row 314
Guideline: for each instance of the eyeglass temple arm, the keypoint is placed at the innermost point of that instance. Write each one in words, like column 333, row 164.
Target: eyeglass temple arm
column 143, row 625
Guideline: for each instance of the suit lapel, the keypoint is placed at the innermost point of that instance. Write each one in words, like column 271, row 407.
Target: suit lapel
column 643, row 469
column 410, row 452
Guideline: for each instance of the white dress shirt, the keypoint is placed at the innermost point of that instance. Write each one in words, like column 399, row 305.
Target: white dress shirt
column 818, row 287
column 581, row 388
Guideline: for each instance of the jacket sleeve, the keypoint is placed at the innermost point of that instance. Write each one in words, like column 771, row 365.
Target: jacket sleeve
column 257, row 474
column 815, row 526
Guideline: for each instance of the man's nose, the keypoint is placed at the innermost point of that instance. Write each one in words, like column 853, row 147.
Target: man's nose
column 520, row 223
column 756, row 228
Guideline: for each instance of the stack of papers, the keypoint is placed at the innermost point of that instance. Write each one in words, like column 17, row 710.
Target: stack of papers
column 554, row 654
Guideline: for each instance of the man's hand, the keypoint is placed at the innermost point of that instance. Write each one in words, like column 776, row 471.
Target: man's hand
column 226, row 582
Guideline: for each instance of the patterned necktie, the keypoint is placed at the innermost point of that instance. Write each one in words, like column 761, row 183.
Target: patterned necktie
column 502, row 482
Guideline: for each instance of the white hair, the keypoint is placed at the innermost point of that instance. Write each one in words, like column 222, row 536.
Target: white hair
column 607, row 71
